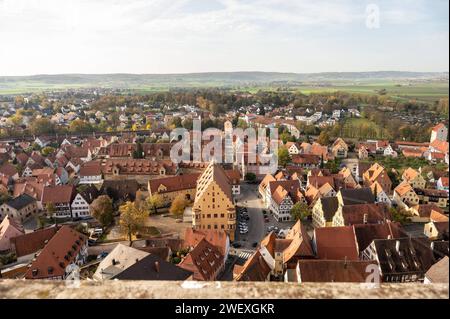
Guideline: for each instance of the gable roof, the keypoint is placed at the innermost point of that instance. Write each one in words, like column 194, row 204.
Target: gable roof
column 403, row 188
column 32, row 242
column 151, row 267
column 204, row 261
column 366, row 233
column 174, row 183
column 410, row 173
column 254, row 269
column 336, row 243
column 375, row 213
column 58, row 194
column 216, row 237
column 353, row 196
column 329, row 207
column 403, row 255
column 58, row 253
column 333, row 270
column 119, row 259
column 21, row 201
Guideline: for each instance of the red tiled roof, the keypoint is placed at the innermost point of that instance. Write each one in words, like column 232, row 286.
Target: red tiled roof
column 336, row 243
column 204, row 261
column 58, row 253
column 58, row 194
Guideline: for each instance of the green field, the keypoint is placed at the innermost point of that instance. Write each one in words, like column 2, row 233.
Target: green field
column 401, row 85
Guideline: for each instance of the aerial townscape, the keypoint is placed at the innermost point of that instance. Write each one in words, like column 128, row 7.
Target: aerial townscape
column 223, row 157
column 89, row 189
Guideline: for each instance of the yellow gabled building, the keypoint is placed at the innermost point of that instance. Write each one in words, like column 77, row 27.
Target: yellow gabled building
column 214, row 206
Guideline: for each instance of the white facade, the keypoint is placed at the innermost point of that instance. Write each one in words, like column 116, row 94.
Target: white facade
column 91, row 179
column 80, row 207
column 282, row 212
column 439, row 134
column 388, row 151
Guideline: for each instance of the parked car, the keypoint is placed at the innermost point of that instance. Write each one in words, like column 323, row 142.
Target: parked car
column 102, row 255
column 254, row 244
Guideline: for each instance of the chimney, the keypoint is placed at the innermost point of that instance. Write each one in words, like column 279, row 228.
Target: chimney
column 345, row 262
column 365, row 218
column 157, row 266
column 389, row 237
column 114, row 262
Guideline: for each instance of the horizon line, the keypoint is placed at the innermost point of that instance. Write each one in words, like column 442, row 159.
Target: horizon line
column 221, row 72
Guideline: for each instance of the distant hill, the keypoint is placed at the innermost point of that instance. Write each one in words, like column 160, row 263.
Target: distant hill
column 219, row 79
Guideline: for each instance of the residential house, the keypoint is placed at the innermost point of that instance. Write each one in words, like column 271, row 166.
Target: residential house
column 402, row 259
column 9, row 171
column 152, row 267
column 217, row 238
column 306, row 161
column 20, row 208
column 378, row 173
column 435, row 230
column 57, row 200
column 432, row 196
column 205, row 262
column 380, row 194
column 57, row 260
column 330, row 271
column 82, row 201
column 118, row 260
column 349, row 215
column 439, row 133
column 348, row 196
column 27, row 245
column 120, row 190
column 91, row 173
column 336, row 243
column 9, row 229
column 405, row 196
column 339, row 148
column 141, row 170
column 414, row 178
column 363, row 153
column 389, row 151
column 292, row 148
column 323, row 211
column 256, row 268
column 366, row 233
column 169, row 188
column 422, row 213
column 442, row 184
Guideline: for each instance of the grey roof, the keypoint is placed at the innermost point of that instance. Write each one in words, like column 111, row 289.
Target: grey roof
column 152, row 267
column 413, row 255
column 353, row 196
column 21, row 201
column 329, row 207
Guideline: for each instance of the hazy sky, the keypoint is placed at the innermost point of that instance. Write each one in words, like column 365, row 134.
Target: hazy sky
column 178, row 36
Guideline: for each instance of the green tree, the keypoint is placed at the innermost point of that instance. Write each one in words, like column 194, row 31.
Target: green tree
column 250, row 177
column 132, row 219
column 178, row 205
column 323, row 139
column 154, row 202
column 300, row 211
column 42, row 126
column 47, row 150
column 283, row 156
column 102, row 210
column 139, row 151
column 80, row 126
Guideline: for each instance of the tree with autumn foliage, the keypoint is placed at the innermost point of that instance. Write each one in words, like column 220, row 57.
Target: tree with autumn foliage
column 132, row 219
